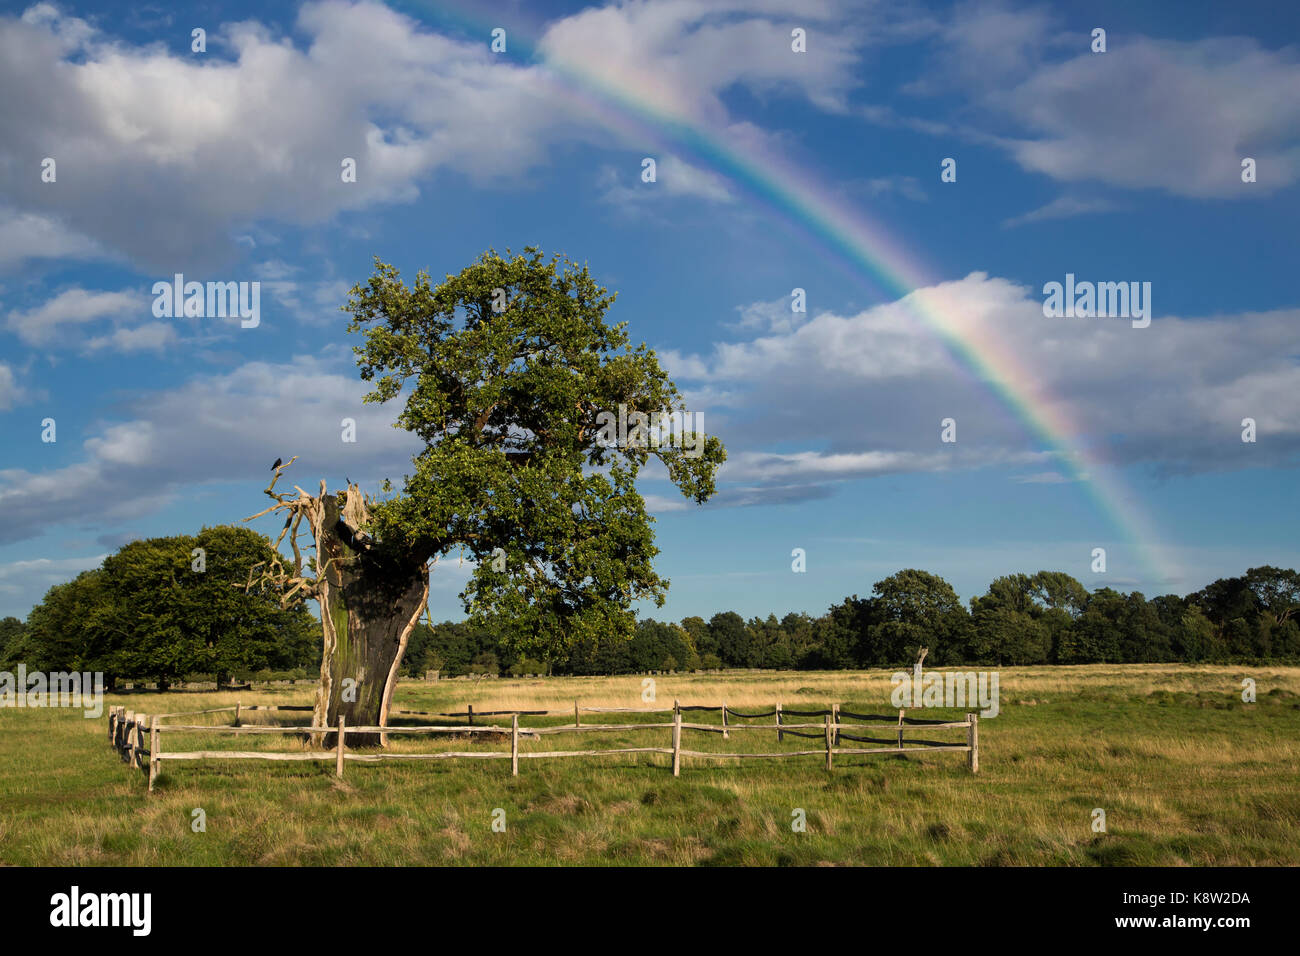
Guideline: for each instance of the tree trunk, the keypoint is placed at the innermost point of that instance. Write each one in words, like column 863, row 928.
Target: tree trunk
column 369, row 604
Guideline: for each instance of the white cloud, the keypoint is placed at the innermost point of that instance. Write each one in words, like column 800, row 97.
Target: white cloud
column 1173, row 115
column 680, row 56
column 218, row 428
column 1167, row 115
column 10, row 392
column 199, row 149
column 1062, row 207
column 775, row 316
column 851, row 396
column 25, row 236
column 674, row 179
column 43, row 324
column 150, row 337
column 1042, row 478
column 909, row 187
column 37, row 575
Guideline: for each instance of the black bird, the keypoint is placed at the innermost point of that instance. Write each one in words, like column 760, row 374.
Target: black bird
column 277, row 464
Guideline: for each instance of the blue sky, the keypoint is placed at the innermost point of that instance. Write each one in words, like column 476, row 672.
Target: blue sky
column 1116, row 166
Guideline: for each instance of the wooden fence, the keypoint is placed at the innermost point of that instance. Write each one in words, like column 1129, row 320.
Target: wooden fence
column 127, row 729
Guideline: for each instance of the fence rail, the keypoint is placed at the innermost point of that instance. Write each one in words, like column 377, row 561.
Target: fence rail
column 126, row 731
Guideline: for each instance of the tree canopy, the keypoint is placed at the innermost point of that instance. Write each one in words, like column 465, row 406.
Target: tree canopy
column 164, row 608
column 508, row 371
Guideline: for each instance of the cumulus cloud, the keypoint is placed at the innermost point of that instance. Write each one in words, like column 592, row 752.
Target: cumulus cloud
column 10, row 392
column 199, row 148
column 842, row 397
column 773, row 316
column 674, row 179
column 1174, row 115
column 37, row 575
column 202, row 150
column 47, row 322
column 682, row 56
column 25, row 236
column 219, row 428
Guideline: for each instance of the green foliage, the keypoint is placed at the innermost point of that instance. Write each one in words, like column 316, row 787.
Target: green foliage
column 12, row 632
column 1047, row 617
column 910, row 610
column 508, row 405
column 148, row 613
column 71, row 629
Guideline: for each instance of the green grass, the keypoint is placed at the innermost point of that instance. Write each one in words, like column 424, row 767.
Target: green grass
column 1187, row 775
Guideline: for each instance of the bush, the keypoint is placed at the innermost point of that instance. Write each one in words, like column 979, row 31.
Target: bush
column 527, row 665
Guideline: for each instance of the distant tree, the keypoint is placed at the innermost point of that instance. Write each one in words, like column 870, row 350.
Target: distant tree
column 162, row 608
column 841, row 638
column 1056, row 590
column 779, row 655
column 1277, row 593
column 917, row 609
column 1096, row 637
column 732, row 639
column 1225, row 599
column 1195, row 638
column 180, row 606
column 660, row 646
column 71, row 629
column 701, row 637
column 11, row 633
column 1144, row 637
column 1004, row 635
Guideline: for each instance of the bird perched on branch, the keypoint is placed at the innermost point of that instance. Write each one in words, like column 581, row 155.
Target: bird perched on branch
column 277, row 464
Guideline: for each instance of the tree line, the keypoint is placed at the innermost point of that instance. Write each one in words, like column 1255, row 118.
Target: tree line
column 164, row 609
column 1044, row 618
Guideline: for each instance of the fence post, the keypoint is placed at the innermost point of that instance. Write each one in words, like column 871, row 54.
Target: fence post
column 127, row 744
column 514, row 745
column 900, row 728
column 469, row 709
column 780, row 734
column 973, row 741
column 338, row 766
column 725, row 734
column 112, row 717
column 154, row 739
column 677, row 739
column 835, row 718
column 236, row 713
column 132, row 740
column 830, row 735
column 577, row 721
column 138, row 752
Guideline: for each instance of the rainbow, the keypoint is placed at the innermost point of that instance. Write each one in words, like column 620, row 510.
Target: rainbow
column 629, row 105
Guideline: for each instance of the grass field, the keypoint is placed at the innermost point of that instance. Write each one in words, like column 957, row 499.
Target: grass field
column 1187, row 775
